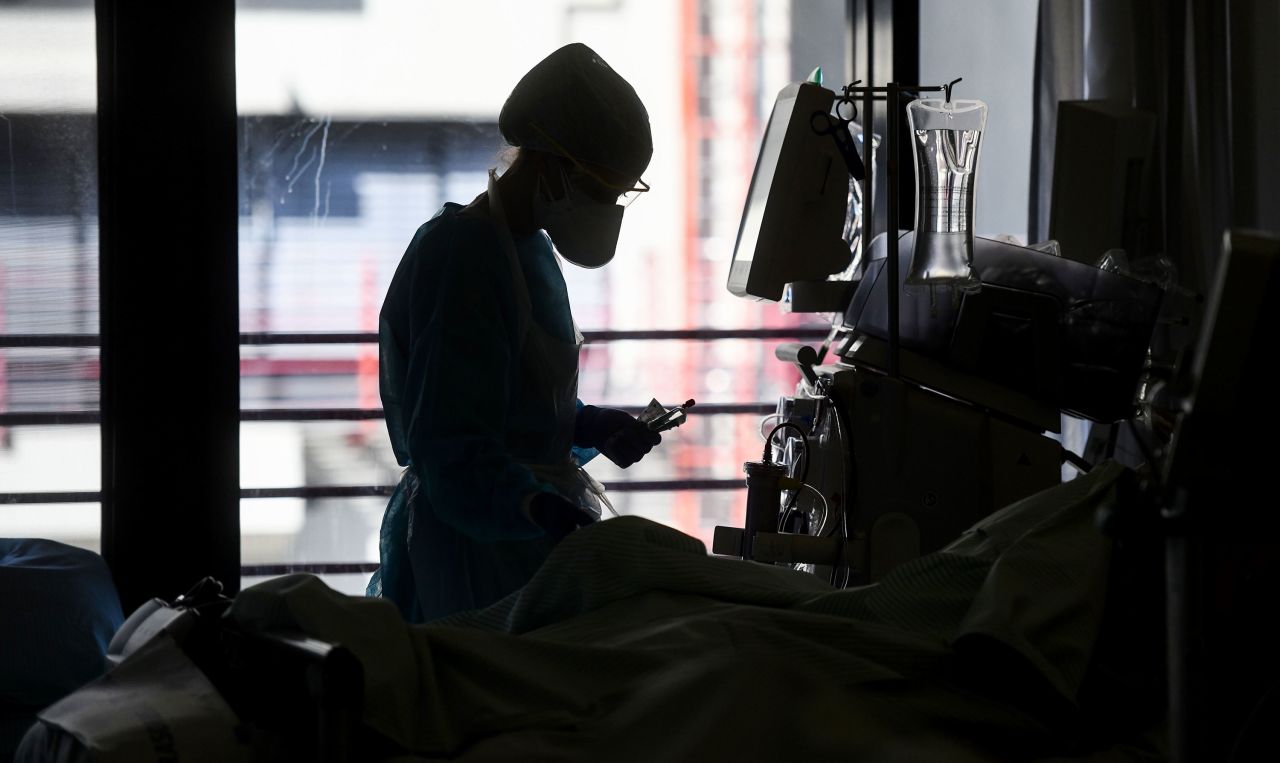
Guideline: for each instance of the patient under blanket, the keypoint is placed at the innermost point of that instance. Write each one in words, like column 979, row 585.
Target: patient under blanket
column 631, row 643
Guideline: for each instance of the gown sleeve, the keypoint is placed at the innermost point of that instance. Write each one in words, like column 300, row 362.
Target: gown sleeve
column 462, row 348
column 581, row 456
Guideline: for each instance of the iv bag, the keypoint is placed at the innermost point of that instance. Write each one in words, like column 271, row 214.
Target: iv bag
column 946, row 137
column 853, row 221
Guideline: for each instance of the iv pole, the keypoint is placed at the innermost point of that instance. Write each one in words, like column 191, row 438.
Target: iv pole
column 892, row 95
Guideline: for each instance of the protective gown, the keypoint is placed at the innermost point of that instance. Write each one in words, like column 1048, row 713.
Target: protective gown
column 478, row 379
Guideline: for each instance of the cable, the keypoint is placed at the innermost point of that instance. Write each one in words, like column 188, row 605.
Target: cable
column 768, row 441
column 844, row 545
column 803, row 460
column 763, row 436
column 844, row 533
column 1253, row 720
column 852, row 489
column 826, row 343
column 766, row 457
column 820, row 409
column 826, row 507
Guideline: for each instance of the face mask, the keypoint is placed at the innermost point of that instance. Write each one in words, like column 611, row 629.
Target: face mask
column 584, row 230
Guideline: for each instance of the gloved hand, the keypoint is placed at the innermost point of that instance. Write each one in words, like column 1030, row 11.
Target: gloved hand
column 621, row 437
column 556, row 516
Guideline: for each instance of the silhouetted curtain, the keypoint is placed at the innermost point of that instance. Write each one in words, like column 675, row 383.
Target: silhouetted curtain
column 1168, row 58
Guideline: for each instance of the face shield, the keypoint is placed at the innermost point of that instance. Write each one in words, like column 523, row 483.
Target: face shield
column 575, row 106
column 584, row 220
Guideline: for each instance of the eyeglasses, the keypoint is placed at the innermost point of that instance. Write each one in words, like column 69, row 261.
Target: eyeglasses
column 625, row 195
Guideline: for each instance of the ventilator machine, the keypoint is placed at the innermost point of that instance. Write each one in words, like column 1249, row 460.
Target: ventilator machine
column 938, row 395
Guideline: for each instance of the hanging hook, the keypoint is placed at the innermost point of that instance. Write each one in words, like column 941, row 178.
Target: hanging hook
column 950, row 85
column 847, row 99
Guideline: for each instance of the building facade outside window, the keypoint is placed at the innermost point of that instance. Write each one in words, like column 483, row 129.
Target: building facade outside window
column 358, row 119
column 49, row 437
column 371, row 117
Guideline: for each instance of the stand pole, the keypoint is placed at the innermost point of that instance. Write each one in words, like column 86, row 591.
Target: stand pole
column 868, row 177
column 891, row 161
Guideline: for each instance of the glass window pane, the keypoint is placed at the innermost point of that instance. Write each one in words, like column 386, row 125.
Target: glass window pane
column 352, row 584
column 327, row 454
column 355, row 133
column 49, row 458
column 991, row 44
column 48, row 261
column 291, row 530
column 345, row 530
column 297, row 454
column 631, row 372
column 309, row 376
column 51, row 379
column 76, row 524
column 275, row 455
column 613, row 373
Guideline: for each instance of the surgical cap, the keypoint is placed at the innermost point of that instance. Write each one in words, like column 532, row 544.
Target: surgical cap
column 573, row 102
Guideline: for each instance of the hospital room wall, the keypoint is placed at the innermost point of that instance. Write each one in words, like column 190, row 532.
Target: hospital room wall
column 1256, row 118
column 991, row 43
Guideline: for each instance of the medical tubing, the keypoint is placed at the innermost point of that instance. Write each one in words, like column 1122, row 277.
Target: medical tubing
column 804, row 444
column 804, row 475
column 764, row 419
column 609, row 505
column 768, row 441
column 841, row 562
column 817, row 492
column 826, row 507
column 852, row 466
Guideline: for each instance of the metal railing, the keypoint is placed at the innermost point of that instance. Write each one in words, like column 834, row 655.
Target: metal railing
column 259, row 339
column 271, row 338
column 85, row 418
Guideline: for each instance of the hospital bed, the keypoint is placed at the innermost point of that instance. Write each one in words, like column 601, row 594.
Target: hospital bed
column 633, row 643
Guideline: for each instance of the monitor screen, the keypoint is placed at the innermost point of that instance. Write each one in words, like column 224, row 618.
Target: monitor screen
column 791, row 224
column 762, row 179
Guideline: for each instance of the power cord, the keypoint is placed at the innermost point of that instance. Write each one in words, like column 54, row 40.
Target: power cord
column 767, row 457
column 803, row 460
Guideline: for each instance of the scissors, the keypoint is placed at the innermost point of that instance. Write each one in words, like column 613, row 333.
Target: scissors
column 837, row 127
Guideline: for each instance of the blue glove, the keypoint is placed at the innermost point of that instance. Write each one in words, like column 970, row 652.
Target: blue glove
column 556, row 516
column 621, row 437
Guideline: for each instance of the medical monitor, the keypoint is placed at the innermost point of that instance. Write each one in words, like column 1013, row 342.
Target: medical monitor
column 1100, row 169
column 794, row 216
column 1225, row 448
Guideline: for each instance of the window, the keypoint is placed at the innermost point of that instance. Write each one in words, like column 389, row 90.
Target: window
column 992, row 45
column 356, row 131
column 49, row 436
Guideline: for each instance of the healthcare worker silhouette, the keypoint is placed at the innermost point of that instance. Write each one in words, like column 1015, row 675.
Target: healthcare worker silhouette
column 479, row 350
